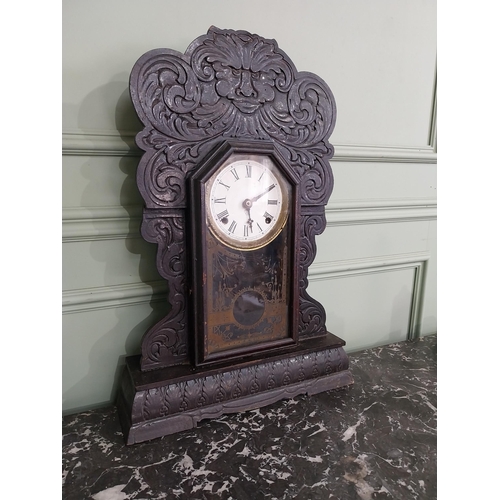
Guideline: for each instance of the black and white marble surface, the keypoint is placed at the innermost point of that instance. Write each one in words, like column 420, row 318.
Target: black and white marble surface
column 376, row 440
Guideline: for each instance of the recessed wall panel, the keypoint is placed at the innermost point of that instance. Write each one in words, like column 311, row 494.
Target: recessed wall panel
column 367, row 309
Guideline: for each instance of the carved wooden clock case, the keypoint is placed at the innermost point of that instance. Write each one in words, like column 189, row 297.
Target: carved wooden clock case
column 235, row 177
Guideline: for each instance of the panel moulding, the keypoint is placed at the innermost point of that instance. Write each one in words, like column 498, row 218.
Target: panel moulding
column 390, row 263
column 114, row 144
column 90, row 299
column 100, row 223
column 105, row 223
column 351, row 212
column 384, row 154
column 433, row 121
column 100, row 143
column 108, row 297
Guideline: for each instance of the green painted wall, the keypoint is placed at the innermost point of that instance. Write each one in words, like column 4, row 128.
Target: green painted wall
column 375, row 270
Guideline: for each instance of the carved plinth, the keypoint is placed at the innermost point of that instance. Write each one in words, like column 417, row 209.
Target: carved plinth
column 161, row 402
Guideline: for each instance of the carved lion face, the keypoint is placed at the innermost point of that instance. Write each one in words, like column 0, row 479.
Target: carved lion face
column 247, row 90
column 247, row 70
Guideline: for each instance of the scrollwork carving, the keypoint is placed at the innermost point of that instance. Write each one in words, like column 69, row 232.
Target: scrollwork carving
column 228, row 84
column 166, row 343
column 312, row 314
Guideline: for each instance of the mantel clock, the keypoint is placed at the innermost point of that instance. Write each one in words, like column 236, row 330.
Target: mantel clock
column 235, row 176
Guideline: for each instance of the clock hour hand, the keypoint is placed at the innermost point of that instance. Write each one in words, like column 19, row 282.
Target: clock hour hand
column 247, row 205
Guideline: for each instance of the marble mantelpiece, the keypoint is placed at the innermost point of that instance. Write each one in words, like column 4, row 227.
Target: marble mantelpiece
column 376, row 440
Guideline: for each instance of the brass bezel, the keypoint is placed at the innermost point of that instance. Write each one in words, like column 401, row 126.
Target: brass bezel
column 282, row 218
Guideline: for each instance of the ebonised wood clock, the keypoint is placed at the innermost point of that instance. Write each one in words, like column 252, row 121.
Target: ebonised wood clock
column 235, row 176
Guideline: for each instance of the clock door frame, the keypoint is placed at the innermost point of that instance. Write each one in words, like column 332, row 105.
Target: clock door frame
column 197, row 242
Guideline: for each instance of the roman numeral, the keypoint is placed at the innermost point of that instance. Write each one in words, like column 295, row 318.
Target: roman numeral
column 225, row 185
column 272, row 202
column 266, row 215
column 232, row 227
column 261, row 175
column 223, row 214
column 236, row 176
column 249, row 171
column 245, row 229
column 220, row 200
column 258, row 225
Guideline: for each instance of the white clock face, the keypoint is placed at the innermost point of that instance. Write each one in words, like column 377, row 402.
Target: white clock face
column 247, row 202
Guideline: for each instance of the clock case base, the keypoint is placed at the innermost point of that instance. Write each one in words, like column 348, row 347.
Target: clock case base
column 161, row 402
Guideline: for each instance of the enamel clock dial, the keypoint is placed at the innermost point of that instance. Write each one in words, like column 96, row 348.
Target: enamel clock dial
column 247, row 202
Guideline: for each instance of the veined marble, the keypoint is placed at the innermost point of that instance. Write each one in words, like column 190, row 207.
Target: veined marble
column 376, row 440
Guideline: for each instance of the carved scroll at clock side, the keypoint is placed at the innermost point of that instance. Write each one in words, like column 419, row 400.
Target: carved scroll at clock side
column 316, row 175
column 166, row 343
column 163, row 169
column 312, row 315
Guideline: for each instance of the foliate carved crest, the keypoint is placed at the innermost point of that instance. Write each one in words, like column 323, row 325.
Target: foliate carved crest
column 228, row 84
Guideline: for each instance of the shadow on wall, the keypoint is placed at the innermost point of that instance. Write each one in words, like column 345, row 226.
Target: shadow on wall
column 104, row 364
column 136, row 262
column 109, row 103
column 126, row 122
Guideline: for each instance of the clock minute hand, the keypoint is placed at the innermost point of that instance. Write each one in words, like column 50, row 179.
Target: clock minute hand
column 247, row 204
column 255, row 198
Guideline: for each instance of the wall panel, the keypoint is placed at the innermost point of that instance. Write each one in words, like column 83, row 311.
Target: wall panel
column 95, row 343
column 88, row 264
column 94, row 179
column 360, row 313
column 365, row 241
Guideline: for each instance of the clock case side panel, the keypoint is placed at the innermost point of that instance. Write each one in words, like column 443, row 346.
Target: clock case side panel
column 166, row 342
column 312, row 314
column 197, row 237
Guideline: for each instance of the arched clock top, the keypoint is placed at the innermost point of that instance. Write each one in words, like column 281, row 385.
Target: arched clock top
column 228, row 84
